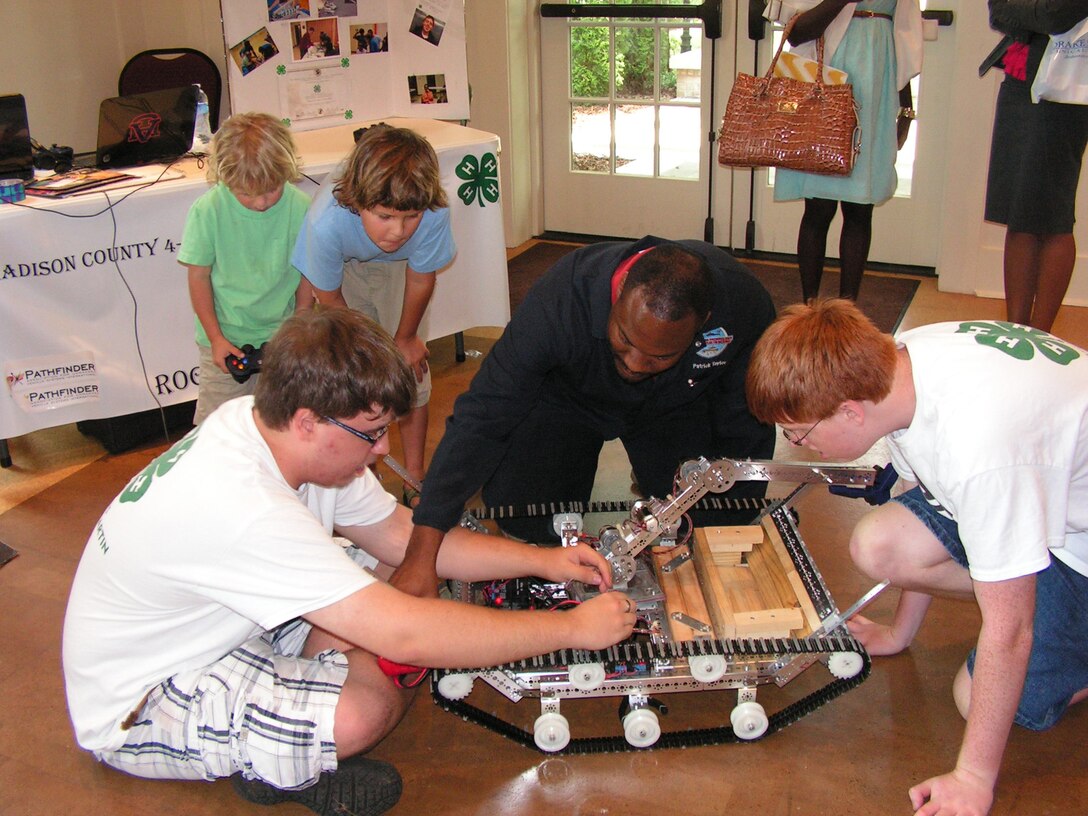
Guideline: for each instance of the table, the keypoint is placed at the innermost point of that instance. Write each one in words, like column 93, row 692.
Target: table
column 95, row 318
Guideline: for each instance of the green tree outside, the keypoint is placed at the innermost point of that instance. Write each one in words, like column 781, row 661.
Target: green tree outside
column 635, row 63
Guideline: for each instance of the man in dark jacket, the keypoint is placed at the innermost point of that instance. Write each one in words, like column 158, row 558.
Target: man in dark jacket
column 647, row 342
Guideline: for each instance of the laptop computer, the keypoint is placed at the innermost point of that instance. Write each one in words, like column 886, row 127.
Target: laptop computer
column 16, row 153
column 155, row 126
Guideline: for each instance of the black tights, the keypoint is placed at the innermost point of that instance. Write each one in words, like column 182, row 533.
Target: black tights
column 857, row 232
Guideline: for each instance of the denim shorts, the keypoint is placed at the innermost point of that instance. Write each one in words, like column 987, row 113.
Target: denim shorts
column 1058, row 667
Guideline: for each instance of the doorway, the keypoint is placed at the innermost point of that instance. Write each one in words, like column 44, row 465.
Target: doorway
column 905, row 227
column 625, row 159
column 625, row 146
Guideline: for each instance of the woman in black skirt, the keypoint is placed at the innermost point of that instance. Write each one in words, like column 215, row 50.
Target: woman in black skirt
column 1035, row 161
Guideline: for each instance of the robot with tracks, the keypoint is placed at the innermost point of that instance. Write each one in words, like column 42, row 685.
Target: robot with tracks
column 719, row 608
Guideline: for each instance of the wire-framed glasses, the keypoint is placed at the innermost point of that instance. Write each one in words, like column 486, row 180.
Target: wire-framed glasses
column 797, row 440
column 372, row 438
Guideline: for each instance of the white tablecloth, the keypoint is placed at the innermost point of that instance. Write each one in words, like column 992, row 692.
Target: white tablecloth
column 95, row 317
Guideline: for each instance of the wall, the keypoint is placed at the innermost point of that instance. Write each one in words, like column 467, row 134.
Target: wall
column 67, row 55
column 503, row 60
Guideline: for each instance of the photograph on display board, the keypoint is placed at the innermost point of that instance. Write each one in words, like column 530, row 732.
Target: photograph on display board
column 315, row 39
column 369, row 38
column 254, row 51
column 336, row 8
column 427, row 89
column 287, row 10
column 426, row 26
column 370, row 88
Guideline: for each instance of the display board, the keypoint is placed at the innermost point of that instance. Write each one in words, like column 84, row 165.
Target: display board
column 321, row 63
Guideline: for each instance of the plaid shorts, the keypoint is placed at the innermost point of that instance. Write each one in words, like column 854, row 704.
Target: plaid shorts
column 261, row 710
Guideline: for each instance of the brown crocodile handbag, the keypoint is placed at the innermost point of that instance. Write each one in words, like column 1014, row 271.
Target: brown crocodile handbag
column 773, row 121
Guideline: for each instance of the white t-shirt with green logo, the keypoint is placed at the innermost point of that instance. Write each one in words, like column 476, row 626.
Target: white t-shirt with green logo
column 999, row 439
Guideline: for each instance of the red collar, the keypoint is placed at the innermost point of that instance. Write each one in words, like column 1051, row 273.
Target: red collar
column 621, row 271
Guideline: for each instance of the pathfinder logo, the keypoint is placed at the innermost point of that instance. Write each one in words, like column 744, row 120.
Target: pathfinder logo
column 52, row 381
column 144, row 128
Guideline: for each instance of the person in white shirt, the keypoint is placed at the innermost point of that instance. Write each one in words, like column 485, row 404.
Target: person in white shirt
column 989, row 420
column 217, row 627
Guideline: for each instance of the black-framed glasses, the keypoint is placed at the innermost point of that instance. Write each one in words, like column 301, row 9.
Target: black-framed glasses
column 366, row 437
column 797, row 440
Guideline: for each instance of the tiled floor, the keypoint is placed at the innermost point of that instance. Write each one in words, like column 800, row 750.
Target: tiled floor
column 856, row 755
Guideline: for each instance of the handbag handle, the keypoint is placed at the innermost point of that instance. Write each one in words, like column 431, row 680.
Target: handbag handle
column 819, row 52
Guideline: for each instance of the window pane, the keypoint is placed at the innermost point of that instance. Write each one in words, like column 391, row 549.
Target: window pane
column 680, row 141
column 590, row 138
column 635, row 140
column 634, row 63
column 589, row 61
column 681, row 63
column 636, row 88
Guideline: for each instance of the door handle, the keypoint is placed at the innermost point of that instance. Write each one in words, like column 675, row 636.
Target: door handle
column 943, row 18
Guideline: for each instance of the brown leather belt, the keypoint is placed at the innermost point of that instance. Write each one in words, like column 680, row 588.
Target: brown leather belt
column 880, row 14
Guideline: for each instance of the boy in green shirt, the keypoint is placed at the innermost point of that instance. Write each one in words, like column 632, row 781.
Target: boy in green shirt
column 237, row 245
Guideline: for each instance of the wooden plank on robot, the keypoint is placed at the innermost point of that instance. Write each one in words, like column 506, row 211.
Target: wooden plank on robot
column 774, row 539
column 682, row 594
column 728, row 545
column 811, row 618
column 770, row 575
column 723, row 587
column 776, row 623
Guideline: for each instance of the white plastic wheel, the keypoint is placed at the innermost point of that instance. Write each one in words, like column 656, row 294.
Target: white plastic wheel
column 587, row 676
column 641, row 728
column 707, row 668
column 845, row 665
column 455, row 686
column 749, row 720
column 551, row 732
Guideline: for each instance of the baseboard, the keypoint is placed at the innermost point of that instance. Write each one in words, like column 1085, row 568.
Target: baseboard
column 833, row 263
column 755, row 255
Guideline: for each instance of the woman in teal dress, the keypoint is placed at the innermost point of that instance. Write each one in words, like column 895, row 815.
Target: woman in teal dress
column 867, row 53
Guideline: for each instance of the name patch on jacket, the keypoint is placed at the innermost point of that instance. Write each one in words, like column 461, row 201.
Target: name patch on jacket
column 714, row 342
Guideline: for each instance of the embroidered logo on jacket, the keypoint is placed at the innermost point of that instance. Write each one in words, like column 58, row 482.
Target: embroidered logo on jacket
column 714, row 342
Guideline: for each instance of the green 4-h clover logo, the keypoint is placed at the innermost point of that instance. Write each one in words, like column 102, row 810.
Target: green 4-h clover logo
column 1019, row 342
column 349, row 114
column 344, row 62
column 281, row 69
column 317, row 89
column 481, row 179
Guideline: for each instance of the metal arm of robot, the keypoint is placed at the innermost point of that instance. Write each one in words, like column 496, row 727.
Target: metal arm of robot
column 697, row 477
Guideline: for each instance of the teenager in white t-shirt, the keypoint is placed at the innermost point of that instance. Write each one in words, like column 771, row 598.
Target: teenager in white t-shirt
column 217, row 628
column 989, row 421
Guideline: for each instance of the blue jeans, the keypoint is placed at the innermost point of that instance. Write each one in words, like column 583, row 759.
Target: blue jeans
column 1058, row 667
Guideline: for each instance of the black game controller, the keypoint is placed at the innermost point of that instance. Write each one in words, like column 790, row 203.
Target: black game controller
column 242, row 368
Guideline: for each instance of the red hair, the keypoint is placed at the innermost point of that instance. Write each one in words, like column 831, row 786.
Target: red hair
column 815, row 356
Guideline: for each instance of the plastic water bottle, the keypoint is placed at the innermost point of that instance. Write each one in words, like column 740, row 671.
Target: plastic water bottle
column 202, row 128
